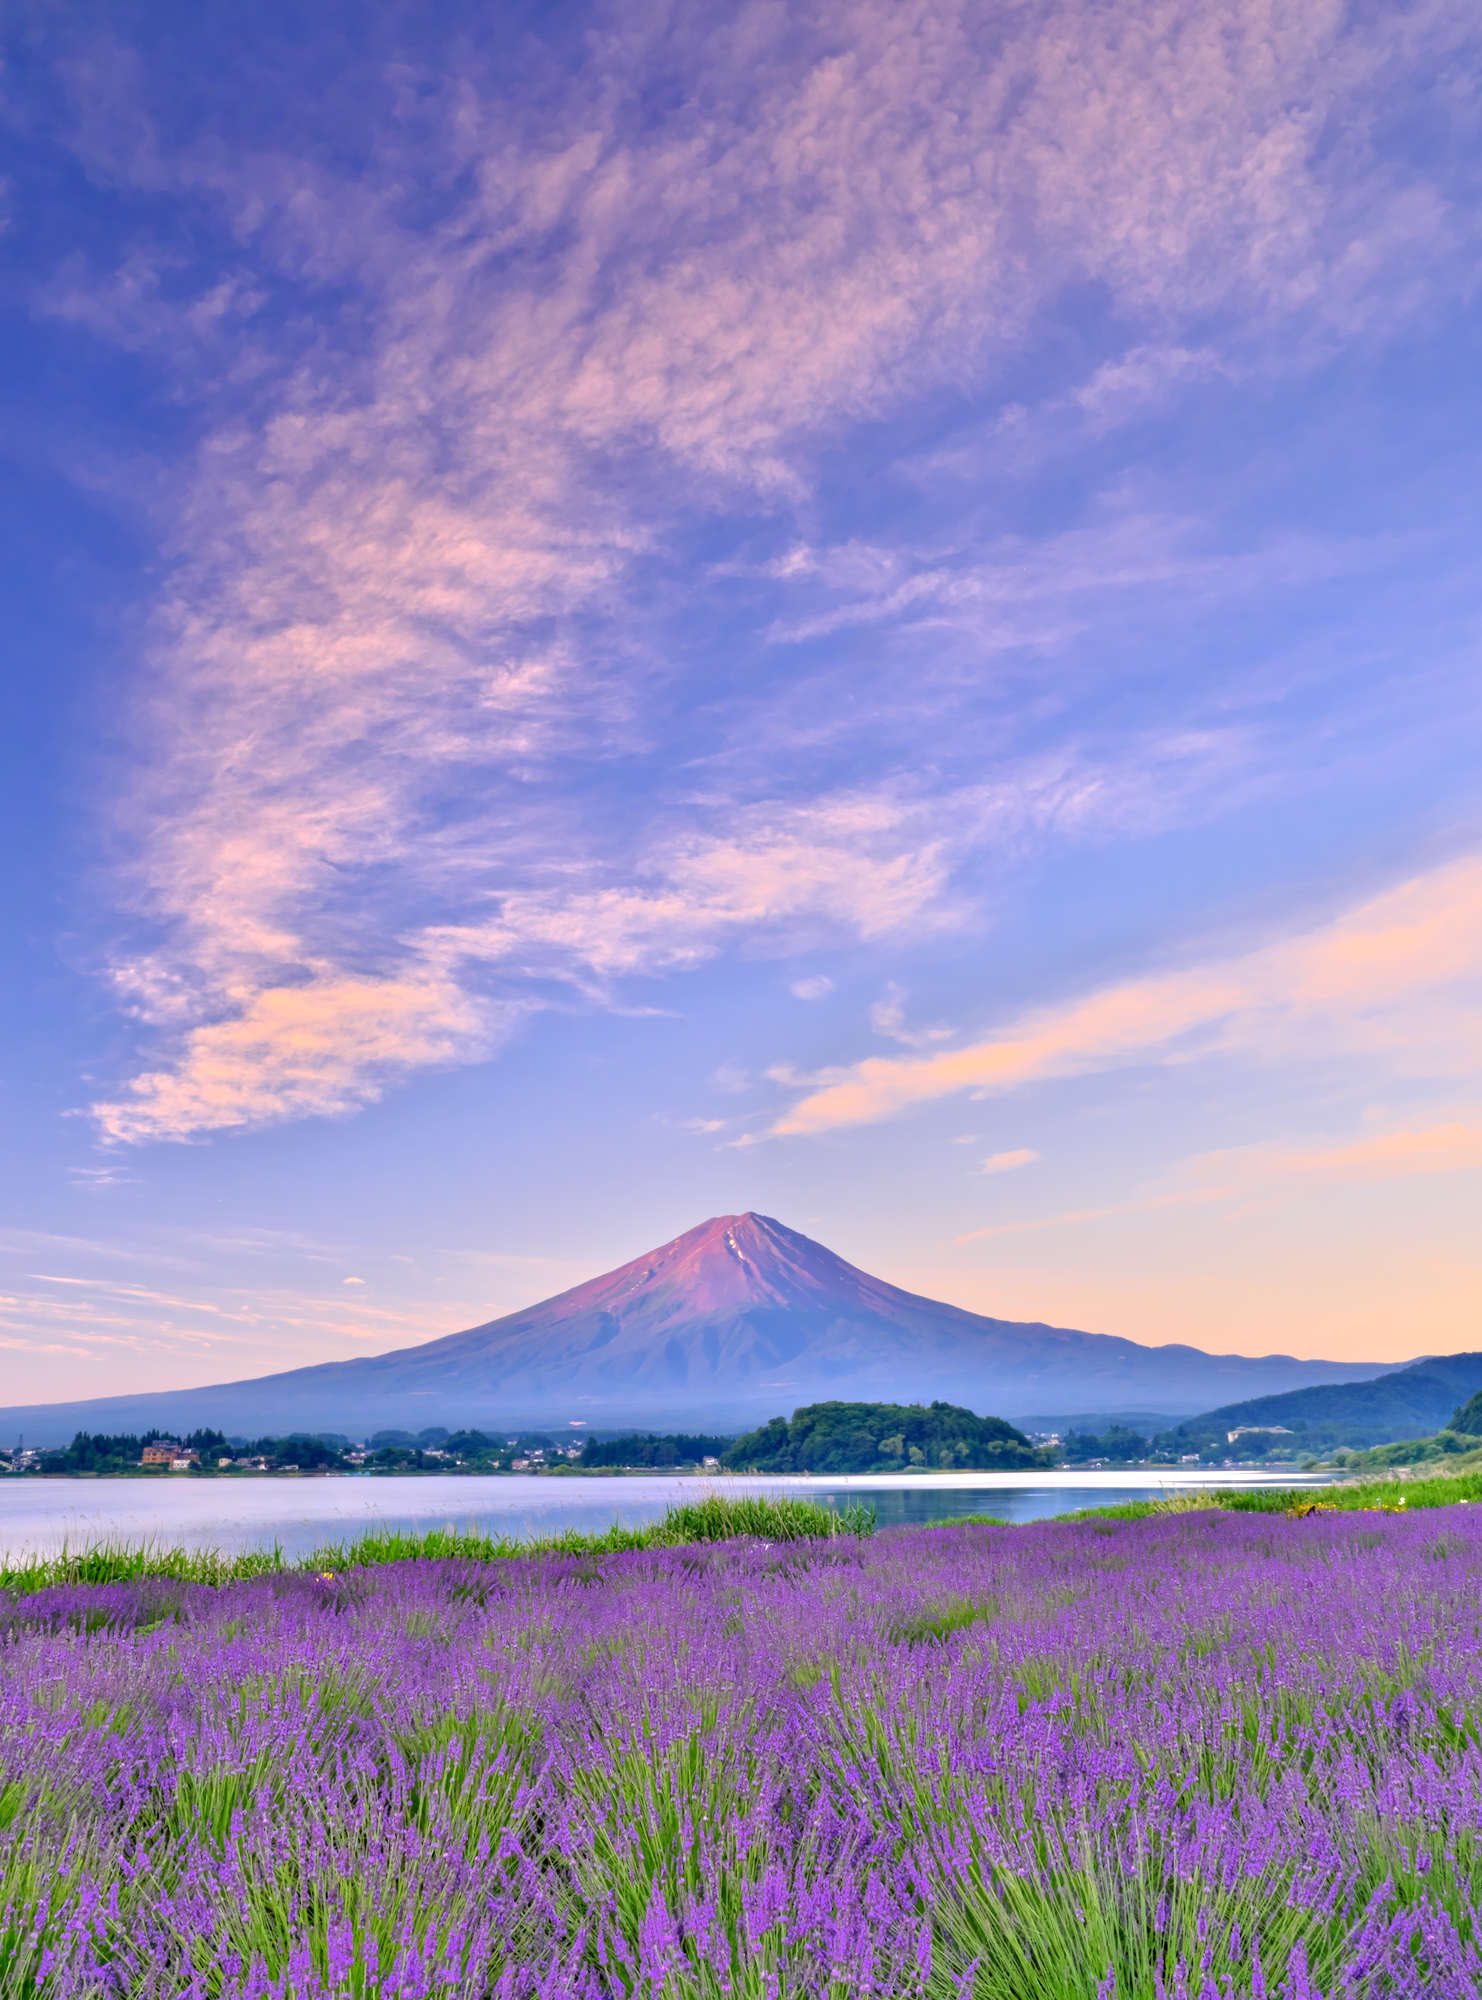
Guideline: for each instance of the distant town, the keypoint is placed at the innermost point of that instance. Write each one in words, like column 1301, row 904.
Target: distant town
column 825, row 1438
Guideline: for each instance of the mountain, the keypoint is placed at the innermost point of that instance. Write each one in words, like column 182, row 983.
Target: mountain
column 728, row 1325
column 1401, row 1403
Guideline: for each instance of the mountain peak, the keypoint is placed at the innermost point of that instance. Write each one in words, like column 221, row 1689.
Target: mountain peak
column 728, row 1262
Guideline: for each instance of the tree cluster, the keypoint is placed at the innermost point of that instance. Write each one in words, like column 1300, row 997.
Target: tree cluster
column 1468, row 1419
column 679, row 1448
column 1118, row 1443
column 885, row 1437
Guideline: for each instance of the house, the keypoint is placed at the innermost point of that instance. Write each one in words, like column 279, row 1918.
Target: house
column 161, row 1451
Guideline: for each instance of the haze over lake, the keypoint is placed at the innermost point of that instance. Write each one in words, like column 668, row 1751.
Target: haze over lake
column 299, row 1515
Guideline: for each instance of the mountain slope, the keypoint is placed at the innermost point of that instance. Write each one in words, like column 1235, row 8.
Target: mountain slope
column 731, row 1323
column 1402, row 1403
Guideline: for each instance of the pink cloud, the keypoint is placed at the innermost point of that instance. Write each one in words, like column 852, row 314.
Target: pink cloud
column 320, row 1048
column 359, row 574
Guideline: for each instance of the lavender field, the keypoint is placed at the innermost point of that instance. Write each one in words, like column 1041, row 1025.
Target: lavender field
column 1208, row 1754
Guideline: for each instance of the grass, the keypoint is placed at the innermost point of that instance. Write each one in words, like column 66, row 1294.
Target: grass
column 1383, row 1495
column 716, row 1518
column 1439, row 1489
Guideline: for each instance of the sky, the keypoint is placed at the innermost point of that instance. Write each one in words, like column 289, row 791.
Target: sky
column 866, row 610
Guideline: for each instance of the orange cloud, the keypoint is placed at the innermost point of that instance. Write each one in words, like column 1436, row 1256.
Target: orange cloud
column 1411, row 943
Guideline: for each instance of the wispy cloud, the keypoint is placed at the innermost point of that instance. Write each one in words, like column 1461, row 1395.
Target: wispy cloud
column 101, row 1177
column 1149, row 1204
column 1018, row 594
column 1359, row 978
column 1006, row 1162
column 403, row 643
column 888, row 1019
column 1449, row 1147
column 1271, row 1171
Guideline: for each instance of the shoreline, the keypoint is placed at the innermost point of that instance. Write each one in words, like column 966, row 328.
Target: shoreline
column 712, row 1518
column 925, row 1476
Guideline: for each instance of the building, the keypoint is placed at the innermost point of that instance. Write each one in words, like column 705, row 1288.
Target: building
column 165, row 1451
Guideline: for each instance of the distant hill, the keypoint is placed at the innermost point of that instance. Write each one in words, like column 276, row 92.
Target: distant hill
column 735, row 1321
column 1402, row 1403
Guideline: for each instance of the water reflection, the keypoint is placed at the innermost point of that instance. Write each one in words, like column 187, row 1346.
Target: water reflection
column 299, row 1515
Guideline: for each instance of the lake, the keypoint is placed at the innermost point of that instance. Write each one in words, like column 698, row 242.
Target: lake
column 40, row 1516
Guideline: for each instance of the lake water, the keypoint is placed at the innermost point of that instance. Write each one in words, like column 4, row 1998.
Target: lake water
column 40, row 1516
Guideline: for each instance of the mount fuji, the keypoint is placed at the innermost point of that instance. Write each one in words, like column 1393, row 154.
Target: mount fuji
column 735, row 1321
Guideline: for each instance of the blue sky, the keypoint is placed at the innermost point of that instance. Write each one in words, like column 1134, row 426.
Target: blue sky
column 864, row 611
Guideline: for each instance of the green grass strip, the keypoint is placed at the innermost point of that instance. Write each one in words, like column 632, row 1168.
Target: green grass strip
column 715, row 1518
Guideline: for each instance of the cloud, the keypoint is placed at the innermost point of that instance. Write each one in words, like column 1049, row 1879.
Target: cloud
column 320, row 1048
column 817, row 986
column 267, row 1326
column 1005, row 1163
column 101, row 1177
column 867, row 863
column 1359, row 978
column 888, row 1019
column 352, row 1281
column 1108, row 1211
column 402, row 646
column 1246, row 1173
column 1454, row 1146
column 1017, row 594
